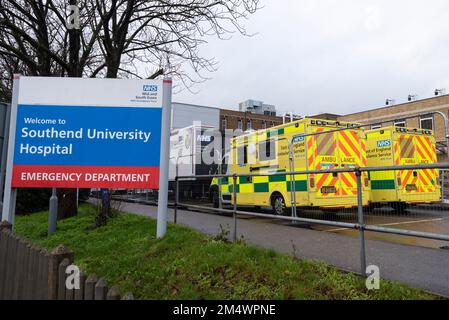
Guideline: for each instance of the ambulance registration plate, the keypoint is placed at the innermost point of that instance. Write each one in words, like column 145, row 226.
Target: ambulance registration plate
column 328, row 189
column 411, row 187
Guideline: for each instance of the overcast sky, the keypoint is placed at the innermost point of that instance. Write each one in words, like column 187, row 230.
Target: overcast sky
column 337, row 56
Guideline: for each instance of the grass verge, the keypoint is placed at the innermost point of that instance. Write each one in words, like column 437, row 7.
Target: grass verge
column 189, row 265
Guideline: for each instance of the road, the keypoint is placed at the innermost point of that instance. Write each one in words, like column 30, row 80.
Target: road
column 420, row 267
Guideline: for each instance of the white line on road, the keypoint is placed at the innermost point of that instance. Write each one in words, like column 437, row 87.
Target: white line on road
column 392, row 224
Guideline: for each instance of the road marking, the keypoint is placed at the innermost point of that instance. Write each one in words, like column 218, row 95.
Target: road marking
column 392, row 224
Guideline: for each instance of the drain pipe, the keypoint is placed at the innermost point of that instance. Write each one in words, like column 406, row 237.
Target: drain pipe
column 446, row 130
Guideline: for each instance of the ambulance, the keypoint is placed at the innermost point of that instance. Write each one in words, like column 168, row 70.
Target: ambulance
column 306, row 144
column 399, row 146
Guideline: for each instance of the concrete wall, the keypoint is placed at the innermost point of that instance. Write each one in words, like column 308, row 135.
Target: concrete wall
column 184, row 115
column 232, row 117
column 404, row 110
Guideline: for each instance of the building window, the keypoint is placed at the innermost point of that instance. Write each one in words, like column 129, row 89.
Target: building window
column 224, row 123
column 426, row 122
column 399, row 123
column 376, row 126
column 249, row 125
column 240, row 124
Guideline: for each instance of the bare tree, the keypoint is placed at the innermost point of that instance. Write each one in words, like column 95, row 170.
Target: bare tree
column 115, row 38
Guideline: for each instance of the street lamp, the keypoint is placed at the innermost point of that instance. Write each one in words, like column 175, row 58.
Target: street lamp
column 440, row 92
column 412, row 97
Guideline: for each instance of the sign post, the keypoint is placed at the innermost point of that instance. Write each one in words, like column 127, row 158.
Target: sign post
column 162, row 206
column 8, row 195
column 87, row 133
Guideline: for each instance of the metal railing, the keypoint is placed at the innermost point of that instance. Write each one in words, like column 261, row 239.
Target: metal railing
column 358, row 225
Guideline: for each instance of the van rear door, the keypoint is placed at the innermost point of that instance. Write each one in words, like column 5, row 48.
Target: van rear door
column 408, row 180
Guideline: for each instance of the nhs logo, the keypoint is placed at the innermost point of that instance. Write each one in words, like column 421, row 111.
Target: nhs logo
column 204, row 138
column 149, row 88
column 299, row 138
column 383, row 143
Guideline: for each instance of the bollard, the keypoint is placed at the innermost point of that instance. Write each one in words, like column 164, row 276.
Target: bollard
column 234, row 191
column 53, row 212
column 361, row 223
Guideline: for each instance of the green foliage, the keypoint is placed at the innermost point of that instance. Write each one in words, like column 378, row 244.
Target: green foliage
column 84, row 194
column 189, row 265
column 32, row 200
column 36, row 199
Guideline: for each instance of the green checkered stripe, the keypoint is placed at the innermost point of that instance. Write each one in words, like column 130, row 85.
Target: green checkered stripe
column 300, row 185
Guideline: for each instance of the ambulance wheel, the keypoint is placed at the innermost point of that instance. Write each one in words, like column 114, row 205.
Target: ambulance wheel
column 215, row 198
column 399, row 207
column 278, row 204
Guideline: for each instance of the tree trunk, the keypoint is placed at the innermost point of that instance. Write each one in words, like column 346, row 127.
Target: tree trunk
column 67, row 205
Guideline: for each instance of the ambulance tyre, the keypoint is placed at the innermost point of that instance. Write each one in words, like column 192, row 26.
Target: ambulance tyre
column 215, row 198
column 399, row 207
column 277, row 204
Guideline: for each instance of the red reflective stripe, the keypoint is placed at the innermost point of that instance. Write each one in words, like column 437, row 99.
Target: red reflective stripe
column 345, row 180
column 345, row 151
column 322, row 180
column 409, row 172
column 349, row 141
column 426, row 148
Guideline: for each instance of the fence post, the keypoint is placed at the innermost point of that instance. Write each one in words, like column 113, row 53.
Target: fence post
column 62, row 278
column 9, row 265
column 234, row 191
column 101, row 289
column 113, row 294
column 175, row 214
column 53, row 212
column 79, row 293
column 27, row 285
column 89, row 288
column 18, row 269
column 5, row 229
column 56, row 257
column 443, row 173
column 361, row 223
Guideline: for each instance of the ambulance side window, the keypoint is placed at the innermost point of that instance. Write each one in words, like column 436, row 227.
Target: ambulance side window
column 267, row 150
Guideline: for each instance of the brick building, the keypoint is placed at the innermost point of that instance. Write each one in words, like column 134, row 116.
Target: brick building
column 422, row 113
column 231, row 119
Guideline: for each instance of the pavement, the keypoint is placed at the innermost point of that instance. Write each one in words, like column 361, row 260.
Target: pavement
column 420, row 267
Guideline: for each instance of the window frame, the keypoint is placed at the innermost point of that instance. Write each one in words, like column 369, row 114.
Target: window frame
column 427, row 118
column 240, row 124
column 224, row 123
column 396, row 122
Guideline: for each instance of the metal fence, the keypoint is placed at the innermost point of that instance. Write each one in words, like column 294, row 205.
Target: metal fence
column 386, row 218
